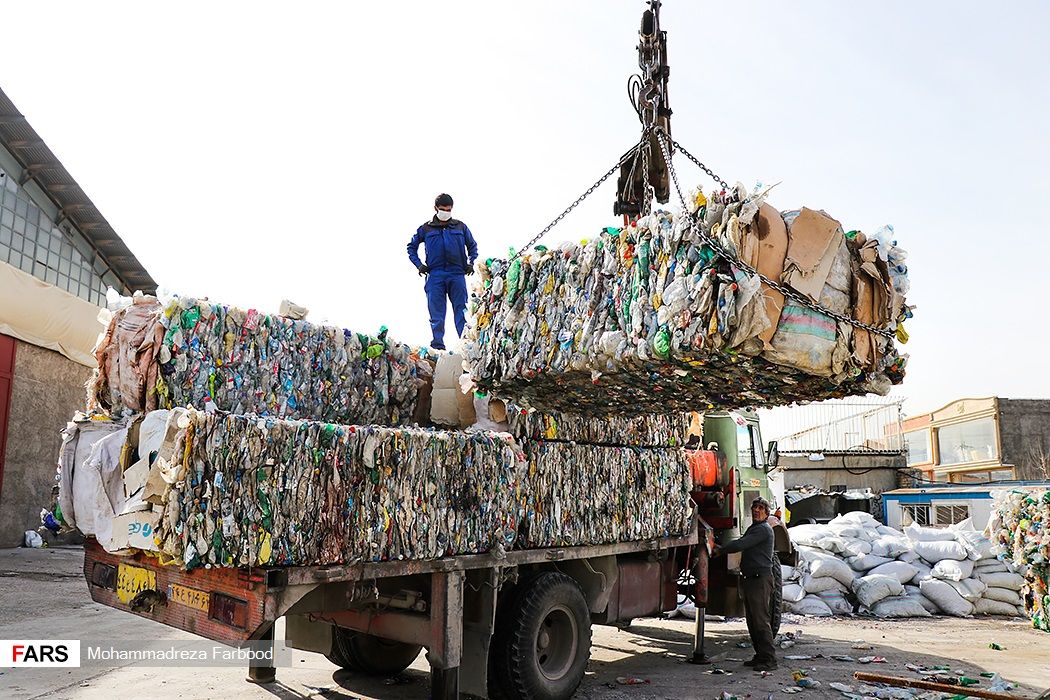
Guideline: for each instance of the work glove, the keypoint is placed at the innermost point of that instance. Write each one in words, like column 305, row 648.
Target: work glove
column 470, row 270
column 423, row 270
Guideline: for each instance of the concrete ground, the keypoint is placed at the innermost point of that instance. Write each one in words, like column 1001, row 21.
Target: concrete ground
column 43, row 596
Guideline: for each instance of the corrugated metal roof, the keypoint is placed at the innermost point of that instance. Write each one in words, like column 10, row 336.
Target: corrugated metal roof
column 42, row 166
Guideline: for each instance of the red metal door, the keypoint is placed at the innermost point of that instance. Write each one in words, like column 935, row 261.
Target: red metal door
column 7, row 375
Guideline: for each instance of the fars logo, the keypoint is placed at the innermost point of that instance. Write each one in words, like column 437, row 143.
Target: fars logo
column 39, row 653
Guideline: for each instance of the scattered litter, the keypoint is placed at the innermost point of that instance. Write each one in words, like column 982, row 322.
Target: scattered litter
column 632, row 680
column 787, row 644
column 996, row 647
column 861, row 645
column 33, row 539
column 743, row 645
column 798, row 657
column 798, row 675
column 872, row 660
column 719, row 672
column 791, row 689
column 807, row 683
column 726, row 695
column 843, row 657
column 841, row 687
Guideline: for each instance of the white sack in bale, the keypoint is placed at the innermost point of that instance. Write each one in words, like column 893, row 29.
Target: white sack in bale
column 789, row 573
column 946, row 598
column 1014, row 582
column 659, row 321
column 990, row 566
column 902, row 571
column 918, row 533
column 892, row 547
column 867, row 562
column 970, row 588
column 859, row 517
column 909, row 555
column 952, row 570
column 915, row 594
column 837, row 602
column 856, row 548
column 1003, row 595
column 871, row 589
column 899, row 606
column 937, row 550
column 827, row 565
column 924, row 570
column 808, row 535
column 987, row 606
column 810, row 605
column 820, row 584
column 793, row 593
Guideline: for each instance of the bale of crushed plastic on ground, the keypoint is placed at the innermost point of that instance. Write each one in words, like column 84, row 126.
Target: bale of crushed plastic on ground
column 855, row 564
column 193, row 352
column 1020, row 527
column 669, row 430
column 220, row 489
column 659, row 321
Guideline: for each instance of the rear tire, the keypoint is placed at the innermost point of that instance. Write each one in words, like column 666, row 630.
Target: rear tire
column 370, row 655
column 542, row 641
column 776, row 597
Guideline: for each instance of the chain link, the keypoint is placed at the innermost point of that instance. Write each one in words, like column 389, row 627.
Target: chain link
column 792, row 294
column 590, row 190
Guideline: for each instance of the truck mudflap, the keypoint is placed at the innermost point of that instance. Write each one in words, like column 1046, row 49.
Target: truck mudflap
column 227, row 605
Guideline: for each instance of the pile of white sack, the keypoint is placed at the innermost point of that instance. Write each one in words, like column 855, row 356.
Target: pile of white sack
column 855, row 564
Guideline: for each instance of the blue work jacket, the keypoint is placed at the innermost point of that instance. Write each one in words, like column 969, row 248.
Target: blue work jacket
column 450, row 246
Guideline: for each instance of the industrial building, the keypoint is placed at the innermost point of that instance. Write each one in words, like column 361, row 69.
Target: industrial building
column 58, row 256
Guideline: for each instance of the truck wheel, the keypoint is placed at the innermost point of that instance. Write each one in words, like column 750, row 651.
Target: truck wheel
column 542, row 641
column 370, row 655
column 776, row 597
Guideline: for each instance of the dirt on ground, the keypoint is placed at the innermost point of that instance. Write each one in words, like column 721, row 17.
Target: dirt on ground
column 43, row 596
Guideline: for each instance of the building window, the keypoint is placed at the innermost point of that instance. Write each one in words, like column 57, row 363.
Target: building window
column 918, row 447
column 913, row 513
column 971, row 441
column 30, row 241
column 981, row 477
column 950, row 514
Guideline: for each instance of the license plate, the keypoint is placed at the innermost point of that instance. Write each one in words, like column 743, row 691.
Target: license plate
column 190, row 597
column 131, row 580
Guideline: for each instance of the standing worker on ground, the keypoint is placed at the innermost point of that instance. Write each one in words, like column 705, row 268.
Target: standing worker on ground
column 451, row 252
column 756, row 570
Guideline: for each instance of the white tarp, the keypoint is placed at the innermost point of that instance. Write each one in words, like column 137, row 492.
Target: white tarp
column 41, row 314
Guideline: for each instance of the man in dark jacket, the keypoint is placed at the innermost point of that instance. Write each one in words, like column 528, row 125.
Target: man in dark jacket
column 756, row 570
column 451, row 252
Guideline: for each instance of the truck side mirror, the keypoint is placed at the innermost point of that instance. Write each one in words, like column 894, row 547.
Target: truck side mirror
column 772, row 455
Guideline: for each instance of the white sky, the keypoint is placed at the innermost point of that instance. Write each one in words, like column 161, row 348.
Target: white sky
column 252, row 151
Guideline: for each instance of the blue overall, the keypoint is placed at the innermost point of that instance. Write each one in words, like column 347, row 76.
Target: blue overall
column 451, row 251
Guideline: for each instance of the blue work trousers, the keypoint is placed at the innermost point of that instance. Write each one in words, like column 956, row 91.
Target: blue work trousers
column 442, row 285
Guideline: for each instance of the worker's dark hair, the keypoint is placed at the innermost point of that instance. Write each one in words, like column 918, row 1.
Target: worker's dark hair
column 761, row 502
column 443, row 200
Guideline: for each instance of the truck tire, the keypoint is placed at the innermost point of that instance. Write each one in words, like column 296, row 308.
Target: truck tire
column 542, row 641
column 370, row 655
column 776, row 597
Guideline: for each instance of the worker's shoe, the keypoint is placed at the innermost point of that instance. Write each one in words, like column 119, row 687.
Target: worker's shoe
column 753, row 662
column 765, row 666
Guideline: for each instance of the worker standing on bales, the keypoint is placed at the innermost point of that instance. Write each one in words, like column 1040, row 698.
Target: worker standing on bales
column 756, row 570
column 451, row 251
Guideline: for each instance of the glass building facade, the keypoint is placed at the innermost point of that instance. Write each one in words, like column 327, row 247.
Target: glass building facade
column 30, row 241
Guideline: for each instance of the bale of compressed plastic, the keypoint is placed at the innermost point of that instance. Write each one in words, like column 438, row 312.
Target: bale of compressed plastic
column 194, row 353
column 659, row 320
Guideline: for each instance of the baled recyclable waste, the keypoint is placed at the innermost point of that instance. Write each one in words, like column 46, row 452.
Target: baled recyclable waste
column 660, row 321
column 854, row 564
column 191, row 352
column 1020, row 528
column 218, row 489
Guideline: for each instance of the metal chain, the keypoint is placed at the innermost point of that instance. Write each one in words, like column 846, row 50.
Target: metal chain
column 590, row 190
column 733, row 259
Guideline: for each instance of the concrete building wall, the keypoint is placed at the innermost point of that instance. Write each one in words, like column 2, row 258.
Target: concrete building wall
column 1024, row 433
column 877, row 473
column 47, row 390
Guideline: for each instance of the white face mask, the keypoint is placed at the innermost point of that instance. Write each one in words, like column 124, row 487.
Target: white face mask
column 443, row 215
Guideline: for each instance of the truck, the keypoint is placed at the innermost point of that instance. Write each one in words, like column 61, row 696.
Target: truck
column 513, row 624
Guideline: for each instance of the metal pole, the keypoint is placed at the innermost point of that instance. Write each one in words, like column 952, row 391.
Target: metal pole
column 699, row 657
column 258, row 670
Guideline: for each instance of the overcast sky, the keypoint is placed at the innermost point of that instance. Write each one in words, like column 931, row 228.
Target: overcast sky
column 250, row 152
